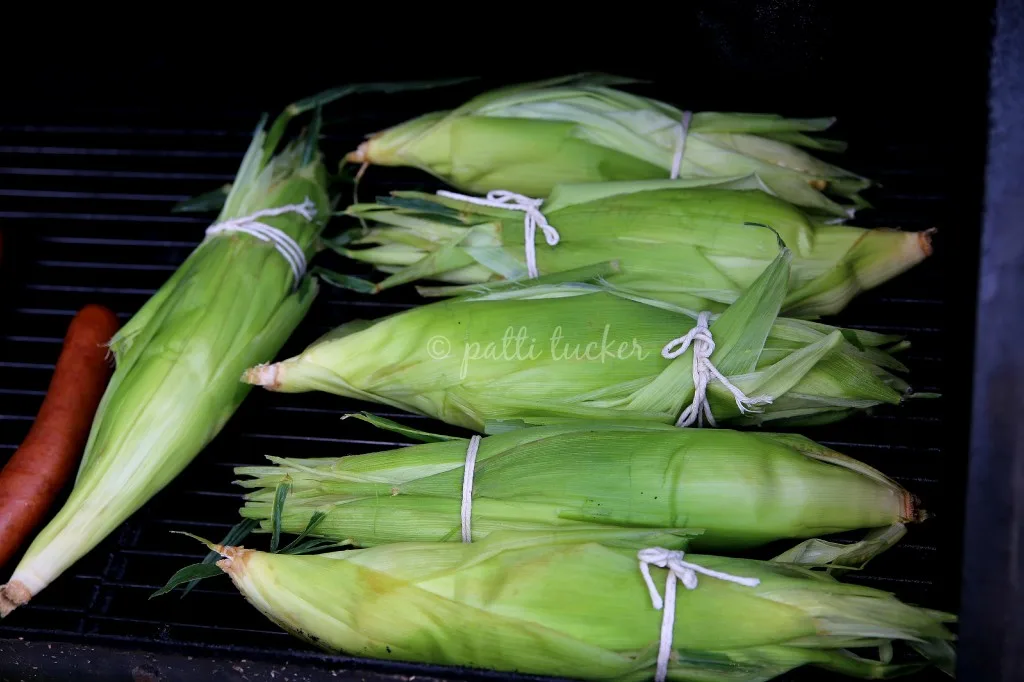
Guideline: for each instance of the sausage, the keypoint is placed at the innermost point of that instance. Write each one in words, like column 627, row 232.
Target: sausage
column 46, row 459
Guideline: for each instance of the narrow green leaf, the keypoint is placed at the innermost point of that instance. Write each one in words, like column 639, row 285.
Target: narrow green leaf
column 313, row 137
column 420, row 205
column 338, row 242
column 409, row 432
column 853, row 338
column 239, row 532
column 315, row 520
column 341, row 281
column 741, row 331
column 198, row 538
column 210, row 201
column 782, row 244
column 388, row 88
column 457, row 289
column 279, row 496
column 314, row 545
column 589, row 78
column 189, row 574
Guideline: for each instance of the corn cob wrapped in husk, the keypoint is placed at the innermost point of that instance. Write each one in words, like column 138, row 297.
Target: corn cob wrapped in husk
column 742, row 489
column 531, row 137
column 576, row 605
column 544, row 353
column 690, row 243
column 233, row 302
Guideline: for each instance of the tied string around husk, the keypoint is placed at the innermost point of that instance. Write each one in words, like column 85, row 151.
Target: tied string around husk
column 683, row 130
column 703, row 370
column 533, row 219
column 681, row 571
column 281, row 241
column 467, row 489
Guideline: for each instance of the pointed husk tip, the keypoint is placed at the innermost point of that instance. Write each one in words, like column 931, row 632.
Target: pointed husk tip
column 265, row 375
column 13, row 595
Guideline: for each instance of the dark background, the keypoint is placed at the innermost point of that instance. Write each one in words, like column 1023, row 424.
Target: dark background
column 898, row 57
column 908, row 81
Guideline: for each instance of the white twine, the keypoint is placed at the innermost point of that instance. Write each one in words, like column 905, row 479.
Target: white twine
column 684, row 572
column 285, row 245
column 684, row 129
column 703, row 370
column 500, row 198
column 467, row 489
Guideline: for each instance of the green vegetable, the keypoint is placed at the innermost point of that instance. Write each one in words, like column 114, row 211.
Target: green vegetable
column 576, row 605
column 690, row 243
column 742, row 489
column 543, row 353
column 529, row 138
column 232, row 303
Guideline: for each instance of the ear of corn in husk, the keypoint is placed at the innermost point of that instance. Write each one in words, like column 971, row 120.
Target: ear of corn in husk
column 678, row 241
column 233, row 302
column 575, row 605
column 741, row 489
column 545, row 353
column 529, row 138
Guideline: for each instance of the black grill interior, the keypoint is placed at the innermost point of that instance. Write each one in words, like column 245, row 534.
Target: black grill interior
column 85, row 198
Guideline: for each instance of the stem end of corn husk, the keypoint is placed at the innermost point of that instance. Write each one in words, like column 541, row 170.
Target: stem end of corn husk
column 913, row 511
column 234, row 558
column 360, row 155
column 924, row 240
column 13, row 595
column 266, row 375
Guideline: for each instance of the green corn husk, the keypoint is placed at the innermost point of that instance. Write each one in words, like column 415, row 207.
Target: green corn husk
column 741, row 489
column 690, row 243
column 575, row 605
column 233, row 302
column 531, row 137
column 545, row 353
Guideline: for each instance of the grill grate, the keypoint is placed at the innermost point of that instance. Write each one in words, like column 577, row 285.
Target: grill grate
column 85, row 210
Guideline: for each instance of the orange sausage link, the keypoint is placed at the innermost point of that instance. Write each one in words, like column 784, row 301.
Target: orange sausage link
column 46, row 459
